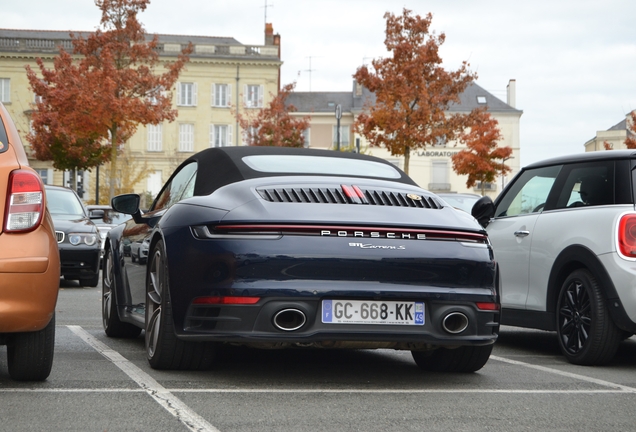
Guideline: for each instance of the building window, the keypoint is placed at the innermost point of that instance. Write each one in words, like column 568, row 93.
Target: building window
column 5, row 90
column 186, row 137
column 220, row 135
column 155, row 138
column 154, row 183
column 306, row 135
column 439, row 176
column 344, row 136
column 221, row 95
column 45, row 175
column 187, row 94
column 249, row 135
column 253, row 96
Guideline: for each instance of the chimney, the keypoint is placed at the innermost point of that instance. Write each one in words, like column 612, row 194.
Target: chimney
column 269, row 34
column 512, row 93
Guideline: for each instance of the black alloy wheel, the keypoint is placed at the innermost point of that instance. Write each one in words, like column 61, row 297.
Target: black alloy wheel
column 163, row 349
column 587, row 334
column 113, row 326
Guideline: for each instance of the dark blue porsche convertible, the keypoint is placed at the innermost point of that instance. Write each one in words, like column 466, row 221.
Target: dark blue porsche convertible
column 280, row 247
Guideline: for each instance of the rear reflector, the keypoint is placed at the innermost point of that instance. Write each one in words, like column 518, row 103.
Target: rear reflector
column 487, row 306
column 225, row 300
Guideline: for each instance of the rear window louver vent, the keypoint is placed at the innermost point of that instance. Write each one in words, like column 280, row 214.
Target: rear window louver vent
column 338, row 196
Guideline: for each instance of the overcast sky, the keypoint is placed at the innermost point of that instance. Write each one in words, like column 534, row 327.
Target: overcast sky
column 574, row 61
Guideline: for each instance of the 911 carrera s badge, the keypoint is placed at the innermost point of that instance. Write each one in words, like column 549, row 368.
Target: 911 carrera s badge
column 371, row 246
column 414, row 197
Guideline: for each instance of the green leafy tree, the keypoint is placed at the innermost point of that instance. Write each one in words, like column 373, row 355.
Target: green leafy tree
column 91, row 106
column 413, row 91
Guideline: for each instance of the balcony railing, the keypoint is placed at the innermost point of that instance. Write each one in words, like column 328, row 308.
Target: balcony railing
column 163, row 48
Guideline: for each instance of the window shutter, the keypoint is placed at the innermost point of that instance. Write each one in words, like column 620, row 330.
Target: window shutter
column 229, row 95
column 212, row 101
column 211, row 135
column 194, row 94
column 179, row 93
column 261, row 90
column 245, row 95
column 229, row 135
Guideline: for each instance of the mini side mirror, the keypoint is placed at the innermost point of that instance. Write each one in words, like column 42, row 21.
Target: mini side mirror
column 483, row 210
column 127, row 204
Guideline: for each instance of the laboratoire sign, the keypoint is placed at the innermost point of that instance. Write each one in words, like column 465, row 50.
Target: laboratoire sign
column 437, row 153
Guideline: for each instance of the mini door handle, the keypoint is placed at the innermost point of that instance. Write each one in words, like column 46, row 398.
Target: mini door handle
column 522, row 233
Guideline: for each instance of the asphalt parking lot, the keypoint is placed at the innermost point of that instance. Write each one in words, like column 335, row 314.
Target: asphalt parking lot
column 105, row 384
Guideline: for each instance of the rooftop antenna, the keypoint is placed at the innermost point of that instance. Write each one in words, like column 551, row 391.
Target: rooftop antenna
column 265, row 7
column 310, row 70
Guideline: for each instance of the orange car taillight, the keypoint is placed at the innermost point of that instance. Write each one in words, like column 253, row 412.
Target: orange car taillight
column 25, row 202
column 627, row 235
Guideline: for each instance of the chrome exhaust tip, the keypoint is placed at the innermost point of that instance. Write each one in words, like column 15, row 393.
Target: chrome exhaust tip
column 455, row 322
column 289, row 319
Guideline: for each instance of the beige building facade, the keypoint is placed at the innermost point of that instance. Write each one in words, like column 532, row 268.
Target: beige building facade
column 614, row 137
column 432, row 167
column 222, row 76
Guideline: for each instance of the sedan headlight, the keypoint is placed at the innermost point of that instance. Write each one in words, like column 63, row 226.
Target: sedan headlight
column 79, row 238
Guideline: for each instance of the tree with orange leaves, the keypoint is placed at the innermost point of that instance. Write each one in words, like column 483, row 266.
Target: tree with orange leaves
column 89, row 108
column 273, row 125
column 413, row 91
column 480, row 159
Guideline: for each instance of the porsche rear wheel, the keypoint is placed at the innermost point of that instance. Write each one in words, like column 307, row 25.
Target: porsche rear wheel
column 163, row 349
column 587, row 334
column 113, row 326
column 462, row 359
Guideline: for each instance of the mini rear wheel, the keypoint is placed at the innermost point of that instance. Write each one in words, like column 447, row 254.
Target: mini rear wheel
column 587, row 334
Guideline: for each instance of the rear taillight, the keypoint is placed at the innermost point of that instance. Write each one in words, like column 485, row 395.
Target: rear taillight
column 627, row 235
column 25, row 202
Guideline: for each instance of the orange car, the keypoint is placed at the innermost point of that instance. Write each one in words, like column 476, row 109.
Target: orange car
column 29, row 262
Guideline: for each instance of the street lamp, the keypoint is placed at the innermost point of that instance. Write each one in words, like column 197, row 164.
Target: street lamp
column 503, row 176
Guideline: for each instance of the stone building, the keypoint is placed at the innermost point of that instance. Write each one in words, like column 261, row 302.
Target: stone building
column 222, row 74
column 430, row 168
column 614, row 137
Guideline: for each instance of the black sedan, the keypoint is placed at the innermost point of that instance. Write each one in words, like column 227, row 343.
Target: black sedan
column 77, row 236
column 277, row 247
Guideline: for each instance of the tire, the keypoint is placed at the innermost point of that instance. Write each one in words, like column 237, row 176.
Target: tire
column 90, row 282
column 463, row 359
column 132, row 257
column 587, row 334
column 113, row 326
column 30, row 354
column 163, row 349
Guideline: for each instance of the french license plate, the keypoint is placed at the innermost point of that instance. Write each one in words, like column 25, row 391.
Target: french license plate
column 372, row 312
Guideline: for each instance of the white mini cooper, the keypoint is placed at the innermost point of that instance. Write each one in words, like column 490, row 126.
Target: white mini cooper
column 564, row 236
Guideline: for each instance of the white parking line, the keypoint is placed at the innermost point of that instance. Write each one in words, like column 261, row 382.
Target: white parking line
column 160, row 394
column 566, row 374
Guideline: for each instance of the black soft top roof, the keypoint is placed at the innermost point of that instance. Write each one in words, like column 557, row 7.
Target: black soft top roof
column 225, row 165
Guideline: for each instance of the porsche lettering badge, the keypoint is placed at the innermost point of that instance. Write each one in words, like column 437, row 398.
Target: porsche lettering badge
column 374, row 234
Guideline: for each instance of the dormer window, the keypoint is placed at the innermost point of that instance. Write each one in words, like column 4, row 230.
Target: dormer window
column 481, row 99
